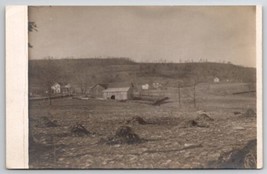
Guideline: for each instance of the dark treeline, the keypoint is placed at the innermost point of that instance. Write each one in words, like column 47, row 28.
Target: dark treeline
column 86, row 72
column 202, row 71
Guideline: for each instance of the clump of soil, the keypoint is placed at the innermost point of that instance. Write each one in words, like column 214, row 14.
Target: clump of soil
column 137, row 120
column 204, row 118
column 79, row 130
column 160, row 101
column 237, row 113
column 124, row 135
column 245, row 157
column 46, row 122
column 250, row 113
column 193, row 123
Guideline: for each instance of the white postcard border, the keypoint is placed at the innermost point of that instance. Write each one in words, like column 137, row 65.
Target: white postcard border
column 17, row 87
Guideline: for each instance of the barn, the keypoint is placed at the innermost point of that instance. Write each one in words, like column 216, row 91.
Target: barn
column 119, row 92
column 96, row 91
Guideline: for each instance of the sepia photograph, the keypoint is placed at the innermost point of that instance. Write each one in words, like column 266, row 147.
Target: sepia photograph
column 143, row 87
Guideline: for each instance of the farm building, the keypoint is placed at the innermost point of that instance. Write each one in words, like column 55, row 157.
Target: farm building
column 216, row 80
column 55, row 88
column 66, row 88
column 157, row 85
column 145, row 86
column 96, row 91
column 120, row 91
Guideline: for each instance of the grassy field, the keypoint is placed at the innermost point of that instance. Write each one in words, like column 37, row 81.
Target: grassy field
column 167, row 140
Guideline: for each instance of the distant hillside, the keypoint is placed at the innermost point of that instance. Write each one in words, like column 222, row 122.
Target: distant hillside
column 86, row 72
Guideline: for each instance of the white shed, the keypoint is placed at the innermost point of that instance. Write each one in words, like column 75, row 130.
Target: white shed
column 145, row 86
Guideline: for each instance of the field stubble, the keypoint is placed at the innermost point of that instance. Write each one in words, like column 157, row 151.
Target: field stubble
column 166, row 145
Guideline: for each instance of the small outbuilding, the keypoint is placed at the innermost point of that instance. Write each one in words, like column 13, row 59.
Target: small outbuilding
column 145, row 86
column 66, row 88
column 96, row 91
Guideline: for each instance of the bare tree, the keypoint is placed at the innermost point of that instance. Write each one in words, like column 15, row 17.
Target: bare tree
column 31, row 27
column 51, row 75
column 83, row 81
column 190, row 89
column 251, row 86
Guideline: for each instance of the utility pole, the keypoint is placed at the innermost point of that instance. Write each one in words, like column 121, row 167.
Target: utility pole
column 179, row 94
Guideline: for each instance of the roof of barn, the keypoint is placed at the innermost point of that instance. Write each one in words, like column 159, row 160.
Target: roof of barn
column 117, row 89
column 100, row 84
column 120, row 85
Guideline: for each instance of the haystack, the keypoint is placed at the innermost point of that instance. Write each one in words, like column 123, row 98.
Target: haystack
column 245, row 157
column 250, row 113
column 124, row 135
column 136, row 120
column 204, row 118
column 193, row 123
column 46, row 122
column 79, row 130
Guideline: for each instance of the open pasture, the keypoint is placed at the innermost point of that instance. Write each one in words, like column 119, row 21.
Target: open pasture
column 169, row 140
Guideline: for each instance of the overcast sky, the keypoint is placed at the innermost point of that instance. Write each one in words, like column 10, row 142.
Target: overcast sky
column 146, row 33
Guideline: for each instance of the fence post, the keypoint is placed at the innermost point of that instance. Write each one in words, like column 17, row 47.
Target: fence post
column 194, row 94
column 53, row 143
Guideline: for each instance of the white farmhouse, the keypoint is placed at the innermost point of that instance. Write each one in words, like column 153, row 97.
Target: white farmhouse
column 216, row 80
column 55, row 88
